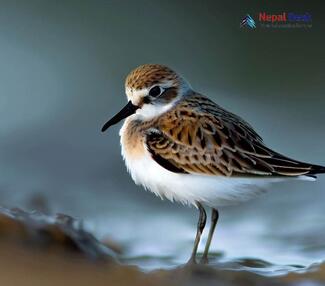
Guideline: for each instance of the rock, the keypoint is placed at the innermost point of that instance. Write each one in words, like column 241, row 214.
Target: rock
column 38, row 230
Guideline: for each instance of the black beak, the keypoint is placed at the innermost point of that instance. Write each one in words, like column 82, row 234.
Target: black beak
column 126, row 111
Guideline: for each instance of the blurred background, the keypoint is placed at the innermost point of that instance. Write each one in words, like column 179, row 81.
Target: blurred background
column 62, row 71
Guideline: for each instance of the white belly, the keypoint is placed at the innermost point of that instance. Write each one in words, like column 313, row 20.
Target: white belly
column 213, row 191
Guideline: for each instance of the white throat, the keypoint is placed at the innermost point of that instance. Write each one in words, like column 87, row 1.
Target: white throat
column 149, row 111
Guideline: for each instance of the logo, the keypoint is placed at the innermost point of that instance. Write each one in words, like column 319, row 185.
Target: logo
column 281, row 20
column 284, row 17
column 248, row 21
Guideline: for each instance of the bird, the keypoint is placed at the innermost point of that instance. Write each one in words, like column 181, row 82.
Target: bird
column 182, row 146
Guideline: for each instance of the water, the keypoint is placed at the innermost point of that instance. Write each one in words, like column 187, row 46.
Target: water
column 250, row 237
column 277, row 233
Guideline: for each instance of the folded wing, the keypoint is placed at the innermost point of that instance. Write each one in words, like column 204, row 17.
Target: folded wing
column 199, row 137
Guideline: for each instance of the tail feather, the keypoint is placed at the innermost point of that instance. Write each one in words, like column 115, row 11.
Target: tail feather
column 281, row 165
column 316, row 169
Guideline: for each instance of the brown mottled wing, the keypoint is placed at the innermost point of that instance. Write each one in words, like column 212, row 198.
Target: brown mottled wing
column 199, row 137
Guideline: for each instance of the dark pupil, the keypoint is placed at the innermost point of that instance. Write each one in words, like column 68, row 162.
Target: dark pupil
column 155, row 91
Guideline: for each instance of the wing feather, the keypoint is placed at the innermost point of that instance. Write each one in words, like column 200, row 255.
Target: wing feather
column 199, row 137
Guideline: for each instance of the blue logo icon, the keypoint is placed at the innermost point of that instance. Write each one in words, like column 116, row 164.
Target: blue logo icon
column 248, row 21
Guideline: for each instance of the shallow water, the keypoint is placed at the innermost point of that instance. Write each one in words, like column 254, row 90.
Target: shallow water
column 251, row 237
column 282, row 231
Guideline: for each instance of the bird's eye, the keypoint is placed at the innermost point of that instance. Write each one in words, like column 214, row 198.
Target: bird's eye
column 155, row 91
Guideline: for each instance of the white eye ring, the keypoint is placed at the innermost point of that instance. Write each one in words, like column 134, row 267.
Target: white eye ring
column 156, row 91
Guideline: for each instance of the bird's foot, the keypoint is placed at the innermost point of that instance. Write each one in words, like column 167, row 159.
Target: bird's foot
column 191, row 261
column 204, row 260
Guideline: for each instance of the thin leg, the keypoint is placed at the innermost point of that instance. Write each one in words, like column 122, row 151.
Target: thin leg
column 200, row 227
column 214, row 220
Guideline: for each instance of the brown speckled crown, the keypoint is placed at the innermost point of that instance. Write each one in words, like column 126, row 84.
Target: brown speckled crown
column 150, row 74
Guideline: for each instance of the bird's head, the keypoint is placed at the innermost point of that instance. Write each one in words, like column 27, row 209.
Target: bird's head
column 151, row 89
